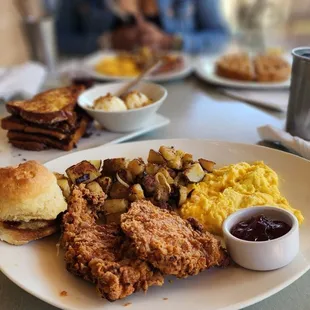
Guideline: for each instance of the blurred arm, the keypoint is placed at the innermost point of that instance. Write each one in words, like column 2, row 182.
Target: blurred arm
column 212, row 31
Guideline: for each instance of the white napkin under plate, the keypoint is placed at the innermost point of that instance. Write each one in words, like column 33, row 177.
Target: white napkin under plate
column 25, row 80
column 296, row 144
column 272, row 99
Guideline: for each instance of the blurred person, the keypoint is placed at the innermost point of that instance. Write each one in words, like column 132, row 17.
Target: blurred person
column 84, row 26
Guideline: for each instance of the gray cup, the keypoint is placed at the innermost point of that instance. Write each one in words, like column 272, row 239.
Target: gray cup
column 298, row 114
column 41, row 35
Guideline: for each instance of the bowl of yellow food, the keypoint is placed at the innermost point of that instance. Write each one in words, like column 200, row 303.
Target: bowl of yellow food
column 122, row 113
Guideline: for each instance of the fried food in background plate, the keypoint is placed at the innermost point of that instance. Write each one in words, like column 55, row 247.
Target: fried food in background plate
column 235, row 67
column 170, row 243
column 271, row 68
column 261, row 68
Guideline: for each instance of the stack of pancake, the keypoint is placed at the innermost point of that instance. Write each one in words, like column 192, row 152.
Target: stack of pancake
column 49, row 120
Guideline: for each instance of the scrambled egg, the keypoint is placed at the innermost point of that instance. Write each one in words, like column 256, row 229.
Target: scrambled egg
column 230, row 189
column 117, row 66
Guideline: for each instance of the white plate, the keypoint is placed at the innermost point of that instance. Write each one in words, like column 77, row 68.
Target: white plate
column 92, row 60
column 11, row 156
column 37, row 269
column 205, row 69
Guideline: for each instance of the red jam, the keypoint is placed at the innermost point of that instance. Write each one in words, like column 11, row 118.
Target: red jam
column 260, row 228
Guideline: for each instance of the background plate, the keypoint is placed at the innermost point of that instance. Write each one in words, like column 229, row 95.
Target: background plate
column 93, row 59
column 37, row 269
column 205, row 69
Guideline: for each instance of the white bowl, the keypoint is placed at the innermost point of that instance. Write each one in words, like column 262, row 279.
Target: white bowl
column 262, row 255
column 123, row 121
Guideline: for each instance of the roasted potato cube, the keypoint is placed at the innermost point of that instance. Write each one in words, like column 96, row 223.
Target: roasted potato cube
column 169, row 153
column 60, row 176
column 187, row 160
column 207, row 165
column 83, row 172
column 118, row 191
column 115, row 206
column 180, row 153
column 152, row 169
column 95, row 188
column 105, row 183
column 64, row 186
column 176, row 163
column 155, row 158
column 187, row 157
column 172, row 156
column 96, row 163
column 136, row 167
column 182, row 195
column 114, row 218
column 136, row 192
column 194, row 173
column 180, row 179
column 167, row 175
column 111, row 166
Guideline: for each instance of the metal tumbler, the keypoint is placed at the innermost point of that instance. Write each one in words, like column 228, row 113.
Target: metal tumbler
column 298, row 114
column 41, row 35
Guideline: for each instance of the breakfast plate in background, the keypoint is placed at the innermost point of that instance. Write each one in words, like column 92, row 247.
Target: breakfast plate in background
column 93, row 60
column 205, row 68
column 42, row 273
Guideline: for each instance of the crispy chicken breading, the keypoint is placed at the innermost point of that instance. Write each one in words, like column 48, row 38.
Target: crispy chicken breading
column 169, row 243
column 102, row 254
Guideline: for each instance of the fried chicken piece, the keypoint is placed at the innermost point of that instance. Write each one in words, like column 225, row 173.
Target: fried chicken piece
column 102, row 254
column 170, row 243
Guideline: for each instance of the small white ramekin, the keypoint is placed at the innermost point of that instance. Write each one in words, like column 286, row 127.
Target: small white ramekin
column 262, row 255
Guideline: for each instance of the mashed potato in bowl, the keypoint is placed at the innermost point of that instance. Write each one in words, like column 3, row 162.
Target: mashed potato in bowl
column 231, row 188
